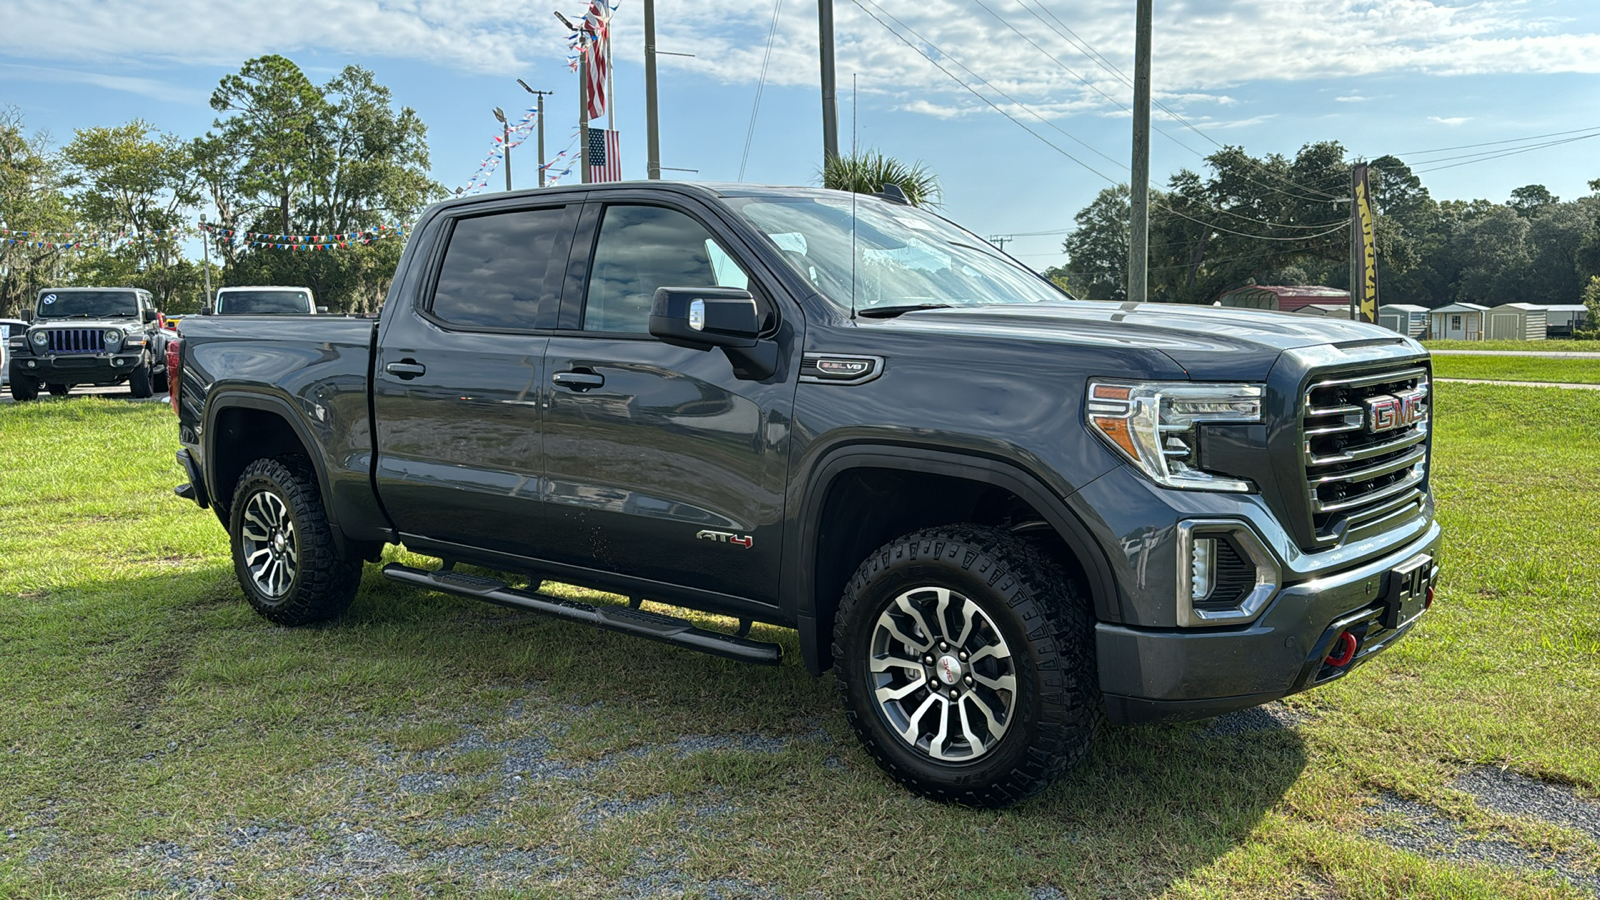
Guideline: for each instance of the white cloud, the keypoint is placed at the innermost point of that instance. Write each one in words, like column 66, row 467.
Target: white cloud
column 1202, row 46
column 1453, row 120
column 1351, row 99
column 147, row 87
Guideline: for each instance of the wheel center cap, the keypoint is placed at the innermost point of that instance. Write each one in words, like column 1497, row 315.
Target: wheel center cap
column 279, row 544
column 949, row 669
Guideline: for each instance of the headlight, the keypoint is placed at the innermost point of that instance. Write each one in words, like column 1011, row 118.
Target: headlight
column 39, row 338
column 1153, row 424
column 113, row 337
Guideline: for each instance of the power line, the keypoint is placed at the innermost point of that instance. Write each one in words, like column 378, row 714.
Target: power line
column 750, row 134
column 1486, row 157
column 975, row 93
column 1531, row 137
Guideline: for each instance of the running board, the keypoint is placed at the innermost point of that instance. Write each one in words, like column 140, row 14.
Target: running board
column 637, row 622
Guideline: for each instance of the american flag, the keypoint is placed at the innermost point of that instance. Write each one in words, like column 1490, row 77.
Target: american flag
column 605, row 159
column 597, row 22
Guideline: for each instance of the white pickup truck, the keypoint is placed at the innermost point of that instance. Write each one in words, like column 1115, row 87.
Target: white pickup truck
column 265, row 301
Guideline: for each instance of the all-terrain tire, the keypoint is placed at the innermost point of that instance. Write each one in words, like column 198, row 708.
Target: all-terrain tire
column 1016, row 602
column 24, row 388
column 139, row 383
column 284, row 553
column 57, row 390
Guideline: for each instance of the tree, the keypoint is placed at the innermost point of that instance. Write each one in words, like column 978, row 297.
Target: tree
column 1097, row 250
column 868, row 171
column 295, row 158
column 31, row 200
column 132, row 180
column 1530, row 198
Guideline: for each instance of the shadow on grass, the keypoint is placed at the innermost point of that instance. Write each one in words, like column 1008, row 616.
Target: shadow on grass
column 189, row 677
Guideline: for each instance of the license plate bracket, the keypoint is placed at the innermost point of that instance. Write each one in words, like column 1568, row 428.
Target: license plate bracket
column 1407, row 596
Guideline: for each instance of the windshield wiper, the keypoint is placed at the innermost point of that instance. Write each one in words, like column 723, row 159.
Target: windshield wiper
column 889, row 312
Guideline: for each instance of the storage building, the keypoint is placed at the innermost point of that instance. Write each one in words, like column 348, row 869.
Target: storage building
column 1325, row 310
column 1406, row 318
column 1283, row 298
column 1561, row 319
column 1516, row 322
column 1457, row 322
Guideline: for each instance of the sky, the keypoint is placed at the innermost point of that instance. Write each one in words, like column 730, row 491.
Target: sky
column 1414, row 78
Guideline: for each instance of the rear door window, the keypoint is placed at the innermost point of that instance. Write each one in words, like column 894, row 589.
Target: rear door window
column 500, row 268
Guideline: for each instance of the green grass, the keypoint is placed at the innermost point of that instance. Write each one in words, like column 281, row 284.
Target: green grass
column 153, row 729
column 1535, row 346
column 1518, row 368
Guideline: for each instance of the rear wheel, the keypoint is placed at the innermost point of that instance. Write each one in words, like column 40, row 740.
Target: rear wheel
column 58, row 390
column 24, row 387
column 139, row 383
column 284, row 554
column 966, row 662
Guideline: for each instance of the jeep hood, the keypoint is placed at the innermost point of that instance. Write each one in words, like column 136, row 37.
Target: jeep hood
column 1210, row 343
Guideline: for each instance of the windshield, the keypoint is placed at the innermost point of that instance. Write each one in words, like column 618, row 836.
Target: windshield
column 87, row 304
column 903, row 257
column 255, row 303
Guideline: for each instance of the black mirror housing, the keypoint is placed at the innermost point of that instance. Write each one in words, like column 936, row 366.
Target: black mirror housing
column 704, row 317
column 147, row 316
column 27, row 315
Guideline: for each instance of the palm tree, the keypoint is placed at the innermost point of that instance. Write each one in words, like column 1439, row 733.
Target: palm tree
column 868, row 171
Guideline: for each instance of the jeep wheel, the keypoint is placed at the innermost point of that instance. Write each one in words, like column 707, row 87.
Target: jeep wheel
column 139, row 383
column 57, row 390
column 24, row 388
column 284, row 554
column 965, row 657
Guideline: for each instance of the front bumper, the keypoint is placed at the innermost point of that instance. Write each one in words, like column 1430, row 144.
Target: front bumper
column 98, row 368
column 1166, row 674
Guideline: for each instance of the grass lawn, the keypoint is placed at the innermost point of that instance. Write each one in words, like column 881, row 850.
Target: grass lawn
column 158, row 738
column 1518, row 368
column 1534, row 346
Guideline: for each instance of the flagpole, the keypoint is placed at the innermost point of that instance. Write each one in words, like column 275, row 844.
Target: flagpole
column 583, row 111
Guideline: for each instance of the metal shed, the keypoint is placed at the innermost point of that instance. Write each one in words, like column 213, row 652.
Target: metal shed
column 1561, row 319
column 1283, row 298
column 1406, row 318
column 1516, row 322
column 1457, row 322
column 1325, row 310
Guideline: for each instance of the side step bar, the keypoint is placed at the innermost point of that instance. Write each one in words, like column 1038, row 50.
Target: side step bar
column 637, row 622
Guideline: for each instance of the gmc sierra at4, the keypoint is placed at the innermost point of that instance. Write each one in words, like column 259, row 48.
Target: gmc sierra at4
column 997, row 514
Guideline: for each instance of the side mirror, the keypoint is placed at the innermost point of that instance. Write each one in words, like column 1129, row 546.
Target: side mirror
column 323, row 310
column 148, row 315
column 208, row 311
column 702, row 318
column 27, row 316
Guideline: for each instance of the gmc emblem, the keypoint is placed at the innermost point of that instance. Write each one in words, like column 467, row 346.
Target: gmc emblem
column 1387, row 412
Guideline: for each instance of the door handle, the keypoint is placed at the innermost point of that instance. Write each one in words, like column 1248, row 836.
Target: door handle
column 407, row 369
column 579, row 379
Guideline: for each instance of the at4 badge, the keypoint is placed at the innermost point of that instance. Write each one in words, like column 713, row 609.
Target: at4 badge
column 726, row 537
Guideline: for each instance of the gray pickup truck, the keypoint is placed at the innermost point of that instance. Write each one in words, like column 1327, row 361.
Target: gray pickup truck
column 998, row 515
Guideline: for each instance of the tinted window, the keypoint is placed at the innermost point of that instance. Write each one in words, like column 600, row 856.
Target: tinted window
column 495, row 268
column 87, row 304
column 254, row 303
column 642, row 248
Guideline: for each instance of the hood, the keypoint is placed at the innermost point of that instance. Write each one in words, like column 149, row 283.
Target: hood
column 1210, row 343
column 122, row 322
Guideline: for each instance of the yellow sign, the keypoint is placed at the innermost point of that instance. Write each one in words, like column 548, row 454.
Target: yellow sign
column 1366, row 287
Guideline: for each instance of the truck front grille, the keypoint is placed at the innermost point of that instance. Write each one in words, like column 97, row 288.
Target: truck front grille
column 76, row 340
column 1365, row 449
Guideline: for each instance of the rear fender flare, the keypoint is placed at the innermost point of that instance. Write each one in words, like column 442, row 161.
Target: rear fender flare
column 255, row 399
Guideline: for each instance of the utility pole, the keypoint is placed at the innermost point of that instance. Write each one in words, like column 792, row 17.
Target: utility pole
column 583, row 97
column 652, row 123
column 539, row 114
column 1139, row 221
column 505, row 146
column 205, row 250
column 830, row 108
column 1000, row 241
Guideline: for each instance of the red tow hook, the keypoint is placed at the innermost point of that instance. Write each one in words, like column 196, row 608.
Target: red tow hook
column 1344, row 650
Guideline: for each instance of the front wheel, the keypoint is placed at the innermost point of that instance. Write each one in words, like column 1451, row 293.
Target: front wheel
column 284, row 553
column 57, row 390
column 139, row 383
column 24, row 388
column 965, row 659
